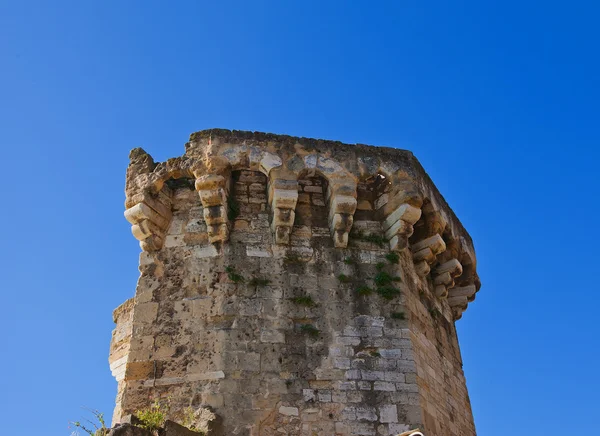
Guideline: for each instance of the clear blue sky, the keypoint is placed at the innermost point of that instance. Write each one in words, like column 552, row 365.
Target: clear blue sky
column 498, row 100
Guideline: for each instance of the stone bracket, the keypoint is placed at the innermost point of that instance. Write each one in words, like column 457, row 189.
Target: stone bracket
column 341, row 218
column 424, row 253
column 150, row 219
column 443, row 276
column 398, row 225
column 213, row 190
column 283, row 197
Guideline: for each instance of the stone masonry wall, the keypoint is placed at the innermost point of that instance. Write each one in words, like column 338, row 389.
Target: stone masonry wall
column 315, row 335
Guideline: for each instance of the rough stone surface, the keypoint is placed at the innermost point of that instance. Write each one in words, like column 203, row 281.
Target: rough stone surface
column 295, row 286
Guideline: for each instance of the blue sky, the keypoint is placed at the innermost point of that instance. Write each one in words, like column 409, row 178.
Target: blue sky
column 498, row 100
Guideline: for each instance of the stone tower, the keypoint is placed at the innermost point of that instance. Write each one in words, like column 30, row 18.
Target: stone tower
column 297, row 287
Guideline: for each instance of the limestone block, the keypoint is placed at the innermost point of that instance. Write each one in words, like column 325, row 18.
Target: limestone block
column 268, row 162
column 404, row 212
column 388, row 413
column 289, row 411
column 465, row 291
column 213, row 197
column 141, row 212
column 435, row 243
column 344, row 204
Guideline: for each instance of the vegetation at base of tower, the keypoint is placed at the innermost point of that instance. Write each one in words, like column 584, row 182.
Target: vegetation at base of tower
column 398, row 315
column 379, row 266
column 388, row 292
column 375, row 354
column 99, row 427
column 343, row 278
column 349, row 261
column 364, row 290
column 233, row 276
column 392, row 257
column 383, row 278
column 152, row 418
column 304, row 300
column 310, row 330
column 258, row 281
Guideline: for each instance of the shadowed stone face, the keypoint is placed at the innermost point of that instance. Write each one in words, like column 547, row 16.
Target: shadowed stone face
column 296, row 286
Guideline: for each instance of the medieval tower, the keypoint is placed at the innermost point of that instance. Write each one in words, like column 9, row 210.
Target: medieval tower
column 297, row 287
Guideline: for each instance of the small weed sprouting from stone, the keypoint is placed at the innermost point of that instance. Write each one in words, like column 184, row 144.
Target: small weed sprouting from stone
column 288, row 383
column 388, row 292
column 310, row 330
column 343, row 278
column 305, row 300
column 233, row 276
column 258, row 281
column 375, row 354
column 291, row 258
column 349, row 261
column 152, row 418
column 382, row 278
column 99, row 428
column 375, row 239
column 379, row 266
column 398, row 315
column 435, row 314
column 364, row 290
column 392, row 257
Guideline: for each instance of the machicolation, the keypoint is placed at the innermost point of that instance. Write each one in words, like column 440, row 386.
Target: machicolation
column 295, row 287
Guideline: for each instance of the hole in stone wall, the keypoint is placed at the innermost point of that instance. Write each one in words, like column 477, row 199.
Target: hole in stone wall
column 311, row 209
column 248, row 193
column 182, row 192
column 372, row 195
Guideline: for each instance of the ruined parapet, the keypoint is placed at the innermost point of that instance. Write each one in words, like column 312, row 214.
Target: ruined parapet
column 297, row 286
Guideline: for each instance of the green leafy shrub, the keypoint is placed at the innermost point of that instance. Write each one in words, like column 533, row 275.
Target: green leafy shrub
column 383, row 278
column 348, row 260
column 375, row 239
column 398, row 315
column 152, row 418
column 234, row 276
column 379, row 266
column 392, row 257
column 388, row 292
column 304, row 300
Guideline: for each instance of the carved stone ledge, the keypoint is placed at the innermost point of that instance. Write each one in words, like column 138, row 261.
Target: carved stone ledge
column 213, row 190
column 283, row 197
column 341, row 218
column 150, row 219
column 443, row 276
column 398, row 225
column 424, row 253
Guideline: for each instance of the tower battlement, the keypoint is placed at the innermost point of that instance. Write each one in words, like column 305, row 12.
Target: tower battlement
column 296, row 286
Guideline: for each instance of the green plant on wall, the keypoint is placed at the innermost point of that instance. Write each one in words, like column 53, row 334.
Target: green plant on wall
column 99, row 427
column 153, row 417
column 343, row 278
column 304, row 300
column 392, row 257
column 364, row 290
column 398, row 315
column 310, row 330
column 233, row 276
column 388, row 292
